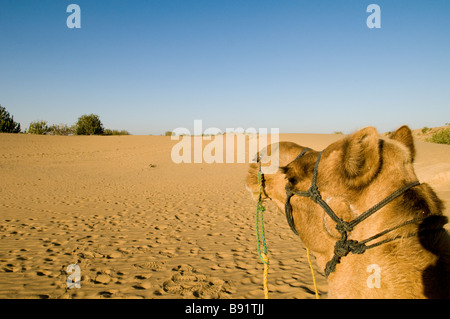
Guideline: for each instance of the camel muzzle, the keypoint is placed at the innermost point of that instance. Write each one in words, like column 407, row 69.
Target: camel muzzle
column 344, row 246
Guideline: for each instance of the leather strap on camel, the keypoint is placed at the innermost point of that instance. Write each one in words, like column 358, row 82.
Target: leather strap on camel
column 344, row 246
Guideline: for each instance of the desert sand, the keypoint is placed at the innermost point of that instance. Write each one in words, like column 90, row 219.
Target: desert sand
column 140, row 226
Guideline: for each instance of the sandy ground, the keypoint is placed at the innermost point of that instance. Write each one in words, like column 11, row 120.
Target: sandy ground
column 140, row 226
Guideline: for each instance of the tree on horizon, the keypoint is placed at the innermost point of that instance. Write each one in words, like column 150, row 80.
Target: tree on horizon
column 89, row 125
column 7, row 124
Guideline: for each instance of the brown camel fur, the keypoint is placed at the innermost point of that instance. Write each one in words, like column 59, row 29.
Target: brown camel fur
column 354, row 174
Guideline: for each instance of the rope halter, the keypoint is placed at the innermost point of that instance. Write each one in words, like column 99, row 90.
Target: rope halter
column 344, row 246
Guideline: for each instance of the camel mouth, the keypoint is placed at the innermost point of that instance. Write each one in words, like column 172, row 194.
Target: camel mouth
column 253, row 192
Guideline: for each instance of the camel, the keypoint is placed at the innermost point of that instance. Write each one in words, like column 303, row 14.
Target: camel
column 410, row 253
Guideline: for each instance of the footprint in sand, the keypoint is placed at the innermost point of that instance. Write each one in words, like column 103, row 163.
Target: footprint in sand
column 187, row 282
column 151, row 265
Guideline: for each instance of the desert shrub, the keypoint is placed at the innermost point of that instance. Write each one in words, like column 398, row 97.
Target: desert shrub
column 441, row 137
column 61, row 129
column 425, row 129
column 38, row 127
column 168, row 133
column 7, row 124
column 115, row 132
column 89, row 125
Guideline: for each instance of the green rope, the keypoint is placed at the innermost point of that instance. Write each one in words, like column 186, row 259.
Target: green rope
column 260, row 233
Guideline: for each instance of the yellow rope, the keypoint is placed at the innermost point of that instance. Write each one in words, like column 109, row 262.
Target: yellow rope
column 312, row 272
column 261, row 237
column 266, row 276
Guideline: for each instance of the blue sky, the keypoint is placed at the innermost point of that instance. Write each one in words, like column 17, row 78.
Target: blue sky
column 300, row 66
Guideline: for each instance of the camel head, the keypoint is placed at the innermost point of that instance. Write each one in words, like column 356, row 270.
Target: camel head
column 353, row 174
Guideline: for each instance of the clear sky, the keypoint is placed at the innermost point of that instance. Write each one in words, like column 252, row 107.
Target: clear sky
column 300, row 66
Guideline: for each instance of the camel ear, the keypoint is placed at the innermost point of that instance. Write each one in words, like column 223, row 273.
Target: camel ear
column 361, row 157
column 404, row 136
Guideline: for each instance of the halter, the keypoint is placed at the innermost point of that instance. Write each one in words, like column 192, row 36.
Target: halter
column 344, row 246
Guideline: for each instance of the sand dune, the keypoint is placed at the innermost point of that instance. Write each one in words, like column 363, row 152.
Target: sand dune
column 140, row 226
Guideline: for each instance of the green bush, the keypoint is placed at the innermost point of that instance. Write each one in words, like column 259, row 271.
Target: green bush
column 441, row 137
column 168, row 133
column 7, row 124
column 425, row 129
column 89, row 125
column 115, row 132
column 38, row 127
column 61, row 129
